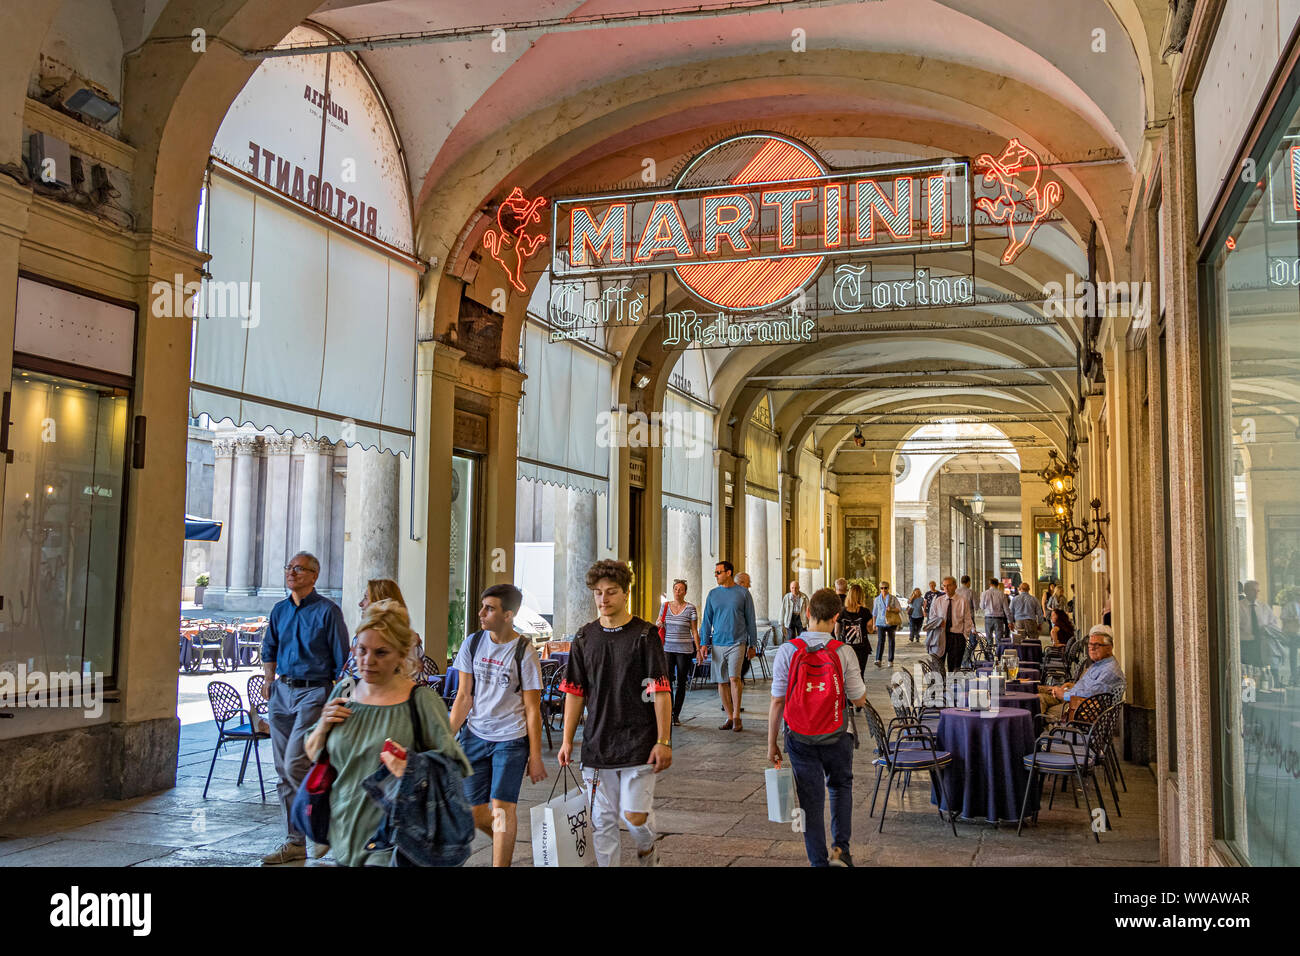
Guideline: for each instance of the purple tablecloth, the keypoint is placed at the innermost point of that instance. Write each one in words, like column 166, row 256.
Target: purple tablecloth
column 1023, row 686
column 1031, row 653
column 1024, row 672
column 1021, row 700
column 987, row 776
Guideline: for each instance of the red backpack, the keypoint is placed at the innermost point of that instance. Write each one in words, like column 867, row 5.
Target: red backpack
column 814, row 697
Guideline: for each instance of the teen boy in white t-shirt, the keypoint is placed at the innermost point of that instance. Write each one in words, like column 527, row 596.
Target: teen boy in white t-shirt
column 499, row 704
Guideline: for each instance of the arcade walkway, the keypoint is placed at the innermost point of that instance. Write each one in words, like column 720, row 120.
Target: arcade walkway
column 710, row 805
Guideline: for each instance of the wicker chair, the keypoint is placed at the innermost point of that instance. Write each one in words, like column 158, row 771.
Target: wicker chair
column 1069, row 751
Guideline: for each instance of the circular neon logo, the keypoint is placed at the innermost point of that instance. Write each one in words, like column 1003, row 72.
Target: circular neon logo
column 756, row 283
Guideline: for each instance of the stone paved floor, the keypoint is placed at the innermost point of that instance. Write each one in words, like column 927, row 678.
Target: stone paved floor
column 710, row 807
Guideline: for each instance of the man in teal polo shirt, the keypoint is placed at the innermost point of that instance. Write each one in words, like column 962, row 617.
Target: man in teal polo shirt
column 729, row 628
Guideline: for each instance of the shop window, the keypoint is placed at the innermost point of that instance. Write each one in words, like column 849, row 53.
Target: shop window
column 62, row 525
column 1250, row 280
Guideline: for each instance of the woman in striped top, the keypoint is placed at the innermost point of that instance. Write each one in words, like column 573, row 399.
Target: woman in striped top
column 681, row 626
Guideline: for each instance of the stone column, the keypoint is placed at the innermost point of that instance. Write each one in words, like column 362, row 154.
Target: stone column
column 219, row 566
column 560, row 583
column 776, row 579
column 317, row 455
column 275, row 521
column 755, row 559
column 370, row 522
column 579, row 606
column 692, row 560
column 919, row 552
column 243, row 509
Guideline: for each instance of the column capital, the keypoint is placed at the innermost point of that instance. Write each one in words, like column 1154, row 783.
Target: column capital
column 280, row 445
column 247, row 445
column 223, row 447
column 446, row 361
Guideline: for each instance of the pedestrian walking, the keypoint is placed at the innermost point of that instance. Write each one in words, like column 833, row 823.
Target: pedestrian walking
column 819, row 732
column 729, row 630
column 854, row 624
column 887, row 613
column 497, row 717
column 618, row 673
column 303, row 652
column 916, row 614
column 794, row 611
column 384, row 719
column 947, row 625
column 681, row 631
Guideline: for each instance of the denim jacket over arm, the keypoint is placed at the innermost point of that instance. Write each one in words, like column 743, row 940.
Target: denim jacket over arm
column 428, row 819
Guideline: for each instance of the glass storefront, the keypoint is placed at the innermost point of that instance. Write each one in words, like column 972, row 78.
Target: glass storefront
column 1251, row 300
column 62, row 525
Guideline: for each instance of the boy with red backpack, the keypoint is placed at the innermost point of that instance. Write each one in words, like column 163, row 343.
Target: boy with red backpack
column 814, row 678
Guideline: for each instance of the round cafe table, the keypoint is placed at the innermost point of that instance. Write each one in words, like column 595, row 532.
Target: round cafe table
column 1023, row 686
column 1028, row 652
column 987, row 776
column 1020, row 699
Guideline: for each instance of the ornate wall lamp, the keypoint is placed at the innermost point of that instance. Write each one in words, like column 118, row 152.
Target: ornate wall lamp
column 1077, row 541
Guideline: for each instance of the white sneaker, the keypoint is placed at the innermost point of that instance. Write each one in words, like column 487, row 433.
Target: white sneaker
column 648, row 859
column 318, row 850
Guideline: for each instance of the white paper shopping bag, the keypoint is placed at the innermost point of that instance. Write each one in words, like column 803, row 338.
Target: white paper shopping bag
column 780, row 794
column 562, row 826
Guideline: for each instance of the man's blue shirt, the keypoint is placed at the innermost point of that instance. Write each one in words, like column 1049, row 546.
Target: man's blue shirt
column 1103, row 677
column 307, row 641
column 728, row 617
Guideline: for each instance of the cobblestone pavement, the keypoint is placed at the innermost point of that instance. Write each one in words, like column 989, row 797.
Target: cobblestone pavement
column 710, row 807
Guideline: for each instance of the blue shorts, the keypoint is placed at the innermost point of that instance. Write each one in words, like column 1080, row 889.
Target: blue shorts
column 498, row 767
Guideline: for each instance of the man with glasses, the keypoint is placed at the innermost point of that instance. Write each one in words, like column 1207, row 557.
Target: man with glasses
column 305, row 648
column 729, row 628
column 1103, row 676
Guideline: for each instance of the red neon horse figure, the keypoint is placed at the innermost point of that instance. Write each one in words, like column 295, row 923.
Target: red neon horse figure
column 514, row 217
column 1017, row 162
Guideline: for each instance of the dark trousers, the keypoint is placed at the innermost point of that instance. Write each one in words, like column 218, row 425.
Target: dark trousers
column 916, row 628
column 863, row 650
column 795, row 626
column 818, row 768
column 956, row 650
column 884, row 633
column 679, row 664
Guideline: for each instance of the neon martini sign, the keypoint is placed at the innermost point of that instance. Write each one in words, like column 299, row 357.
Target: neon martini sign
column 753, row 219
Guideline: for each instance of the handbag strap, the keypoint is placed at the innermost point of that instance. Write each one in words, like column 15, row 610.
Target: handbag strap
column 417, row 732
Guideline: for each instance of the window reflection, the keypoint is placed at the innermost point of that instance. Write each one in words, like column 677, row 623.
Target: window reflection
column 62, row 511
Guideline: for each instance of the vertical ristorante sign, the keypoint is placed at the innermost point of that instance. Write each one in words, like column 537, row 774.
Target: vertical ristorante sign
column 748, row 231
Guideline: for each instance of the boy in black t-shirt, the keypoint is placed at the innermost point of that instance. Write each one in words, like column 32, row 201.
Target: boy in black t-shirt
column 617, row 669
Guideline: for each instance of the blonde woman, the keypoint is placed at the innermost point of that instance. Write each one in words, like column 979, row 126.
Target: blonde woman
column 355, row 729
column 854, row 624
column 386, row 589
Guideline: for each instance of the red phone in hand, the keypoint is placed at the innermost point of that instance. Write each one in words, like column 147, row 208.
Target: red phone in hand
column 394, row 748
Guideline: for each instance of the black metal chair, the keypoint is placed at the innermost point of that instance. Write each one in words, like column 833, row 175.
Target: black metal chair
column 212, row 640
column 1067, row 751
column 227, row 707
column 257, row 698
column 428, row 668
column 701, row 672
column 906, row 746
column 552, row 699
column 760, row 652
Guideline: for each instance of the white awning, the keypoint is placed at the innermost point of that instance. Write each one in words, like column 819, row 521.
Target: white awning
column 564, row 408
column 687, row 437
column 303, row 328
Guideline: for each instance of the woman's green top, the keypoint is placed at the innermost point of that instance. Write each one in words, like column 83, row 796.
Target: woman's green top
column 354, row 748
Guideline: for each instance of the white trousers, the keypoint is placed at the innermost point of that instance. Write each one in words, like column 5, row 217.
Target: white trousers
column 614, row 793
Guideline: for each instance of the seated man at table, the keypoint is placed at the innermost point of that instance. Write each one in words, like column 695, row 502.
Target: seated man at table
column 1103, row 676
